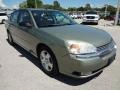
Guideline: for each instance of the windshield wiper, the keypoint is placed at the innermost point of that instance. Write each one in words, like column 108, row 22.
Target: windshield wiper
column 67, row 24
column 52, row 25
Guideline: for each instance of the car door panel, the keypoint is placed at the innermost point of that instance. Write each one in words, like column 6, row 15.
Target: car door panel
column 27, row 38
column 26, row 35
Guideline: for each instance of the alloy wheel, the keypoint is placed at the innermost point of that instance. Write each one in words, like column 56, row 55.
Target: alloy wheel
column 46, row 60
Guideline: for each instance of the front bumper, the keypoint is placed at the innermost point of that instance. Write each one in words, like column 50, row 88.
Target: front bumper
column 90, row 20
column 83, row 68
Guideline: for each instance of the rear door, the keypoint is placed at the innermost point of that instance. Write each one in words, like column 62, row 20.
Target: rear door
column 12, row 26
column 26, row 34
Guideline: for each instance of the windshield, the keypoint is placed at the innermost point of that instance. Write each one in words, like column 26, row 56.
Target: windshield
column 51, row 18
column 91, row 12
column 3, row 14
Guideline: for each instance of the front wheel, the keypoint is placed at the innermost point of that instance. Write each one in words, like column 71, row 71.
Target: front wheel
column 48, row 61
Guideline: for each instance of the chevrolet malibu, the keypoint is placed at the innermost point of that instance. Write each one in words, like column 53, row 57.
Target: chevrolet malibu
column 61, row 45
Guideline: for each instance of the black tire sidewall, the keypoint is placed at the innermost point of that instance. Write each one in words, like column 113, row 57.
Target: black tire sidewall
column 3, row 21
column 10, row 42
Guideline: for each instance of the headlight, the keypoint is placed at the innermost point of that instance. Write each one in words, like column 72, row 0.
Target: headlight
column 96, row 16
column 84, row 16
column 80, row 48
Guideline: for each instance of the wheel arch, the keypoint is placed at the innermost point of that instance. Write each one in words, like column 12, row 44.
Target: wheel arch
column 44, row 45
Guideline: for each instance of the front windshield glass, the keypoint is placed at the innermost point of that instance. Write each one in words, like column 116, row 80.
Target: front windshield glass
column 3, row 14
column 91, row 12
column 51, row 18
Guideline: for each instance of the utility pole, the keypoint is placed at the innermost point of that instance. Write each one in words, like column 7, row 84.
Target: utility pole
column 26, row 4
column 117, row 13
column 106, row 10
column 35, row 4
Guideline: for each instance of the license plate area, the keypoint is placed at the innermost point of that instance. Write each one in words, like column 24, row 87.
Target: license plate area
column 110, row 60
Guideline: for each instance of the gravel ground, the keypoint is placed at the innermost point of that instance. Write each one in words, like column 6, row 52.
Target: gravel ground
column 20, row 71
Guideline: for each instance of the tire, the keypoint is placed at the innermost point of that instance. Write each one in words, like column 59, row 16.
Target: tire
column 96, row 23
column 3, row 21
column 48, row 61
column 10, row 39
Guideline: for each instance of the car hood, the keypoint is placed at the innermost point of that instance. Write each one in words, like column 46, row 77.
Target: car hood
column 81, row 33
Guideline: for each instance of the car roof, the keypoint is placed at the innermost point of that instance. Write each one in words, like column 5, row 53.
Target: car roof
column 31, row 9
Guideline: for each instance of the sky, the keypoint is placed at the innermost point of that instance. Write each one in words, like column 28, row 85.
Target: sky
column 64, row 3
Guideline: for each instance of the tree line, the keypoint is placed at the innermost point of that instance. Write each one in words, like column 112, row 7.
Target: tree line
column 39, row 4
column 56, row 5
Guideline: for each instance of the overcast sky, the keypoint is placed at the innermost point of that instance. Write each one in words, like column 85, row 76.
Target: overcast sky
column 2, row 4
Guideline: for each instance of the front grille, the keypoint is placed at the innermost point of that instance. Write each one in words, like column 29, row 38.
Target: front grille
column 90, row 17
column 105, row 49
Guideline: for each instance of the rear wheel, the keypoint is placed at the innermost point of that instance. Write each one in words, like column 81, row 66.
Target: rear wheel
column 3, row 21
column 10, row 39
column 48, row 61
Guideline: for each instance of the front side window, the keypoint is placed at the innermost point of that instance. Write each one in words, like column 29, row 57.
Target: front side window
column 51, row 18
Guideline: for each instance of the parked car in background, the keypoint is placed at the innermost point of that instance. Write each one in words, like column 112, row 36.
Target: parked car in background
column 75, row 15
column 3, row 17
column 91, row 17
column 109, row 17
column 61, row 45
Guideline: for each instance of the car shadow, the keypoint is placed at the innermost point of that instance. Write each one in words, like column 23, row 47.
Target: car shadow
column 62, row 78
column 88, row 23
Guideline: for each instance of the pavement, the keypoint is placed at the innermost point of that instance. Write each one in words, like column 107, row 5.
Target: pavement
column 19, row 70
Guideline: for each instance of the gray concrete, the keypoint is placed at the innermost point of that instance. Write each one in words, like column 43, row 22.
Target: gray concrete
column 21, row 71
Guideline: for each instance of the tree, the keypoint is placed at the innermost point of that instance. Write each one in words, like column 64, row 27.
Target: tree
column 97, row 9
column 88, row 6
column 23, row 5
column 110, row 9
column 72, row 9
column 56, row 5
column 80, row 9
column 48, row 6
column 31, row 3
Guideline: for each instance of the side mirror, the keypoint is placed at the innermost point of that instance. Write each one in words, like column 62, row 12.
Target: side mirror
column 25, row 24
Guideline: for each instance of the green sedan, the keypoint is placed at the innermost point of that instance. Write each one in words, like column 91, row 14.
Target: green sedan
column 61, row 45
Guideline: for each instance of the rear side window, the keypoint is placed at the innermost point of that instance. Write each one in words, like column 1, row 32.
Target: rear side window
column 3, row 14
column 14, row 16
